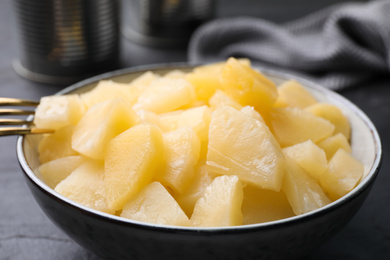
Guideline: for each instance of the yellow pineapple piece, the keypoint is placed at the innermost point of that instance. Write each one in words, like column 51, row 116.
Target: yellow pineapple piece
column 55, row 112
column 293, row 94
column 220, row 99
column 293, row 125
column 332, row 144
column 216, row 67
column 182, row 154
column 334, row 115
column 56, row 145
column 221, row 203
column 165, row 95
column 197, row 103
column 212, row 68
column 85, row 185
column 100, row 124
column 175, row 74
column 108, row 89
column 250, row 111
column 132, row 159
column 55, row 171
column 203, row 151
column 343, row 174
column 205, row 81
column 302, row 191
column 139, row 84
column 202, row 179
column 198, row 118
column 309, row 157
column 243, row 146
column 155, row 205
column 248, row 86
column 148, row 117
column 144, row 80
column 206, row 78
column 261, row 206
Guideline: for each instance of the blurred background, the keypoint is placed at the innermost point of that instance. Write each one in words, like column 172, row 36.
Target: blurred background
column 148, row 31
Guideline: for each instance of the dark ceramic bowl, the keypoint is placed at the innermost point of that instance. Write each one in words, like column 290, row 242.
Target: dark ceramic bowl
column 113, row 237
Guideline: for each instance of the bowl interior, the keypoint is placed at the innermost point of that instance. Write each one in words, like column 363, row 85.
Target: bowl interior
column 365, row 142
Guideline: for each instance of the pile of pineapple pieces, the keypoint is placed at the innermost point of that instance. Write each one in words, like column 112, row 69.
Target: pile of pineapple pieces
column 221, row 145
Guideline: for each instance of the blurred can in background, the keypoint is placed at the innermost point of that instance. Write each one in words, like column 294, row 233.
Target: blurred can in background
column 64, row 41
column 167, row 23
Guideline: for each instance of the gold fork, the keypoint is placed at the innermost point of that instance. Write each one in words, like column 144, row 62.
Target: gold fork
column 24, row 126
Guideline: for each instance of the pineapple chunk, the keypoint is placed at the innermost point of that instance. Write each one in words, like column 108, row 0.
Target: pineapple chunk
column 148, row 117
column 100, row 124
column 165, row 95
column 85, row 185
column 334, row 115
column 56, row 145
column 131, row 161
column 155, row 205
column 55, row 171
column 332, row 144
column 216, row 68
column 212, row 68
column 302, row 191
column 220, row 99
column 182, row 154
column 205, row 81
column 250, row 111
column 292, row 126
column 195, row 191
column 343, row 174
column 198, row 118
column 243, row 146
column 248, row 86
column 261, row 206
column 175, row 74
column 108, row 89
column 309, row 157
column 221, row 203
column 55, row 112
column 144, row 80
column 293, row 94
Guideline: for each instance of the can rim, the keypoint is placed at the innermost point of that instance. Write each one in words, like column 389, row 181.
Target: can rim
column 42, row 78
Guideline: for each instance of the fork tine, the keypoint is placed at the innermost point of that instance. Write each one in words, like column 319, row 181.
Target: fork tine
column 17, row 102
column 11, row 111
column 12, row 121
column 17, row 128
column 4, row 131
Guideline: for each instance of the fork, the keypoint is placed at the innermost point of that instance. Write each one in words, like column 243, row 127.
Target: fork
column 14, row 126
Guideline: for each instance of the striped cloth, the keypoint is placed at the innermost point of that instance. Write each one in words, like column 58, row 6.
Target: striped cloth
column 338, row 47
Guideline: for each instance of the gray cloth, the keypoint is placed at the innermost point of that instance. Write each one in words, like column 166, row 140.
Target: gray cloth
column 338, row 47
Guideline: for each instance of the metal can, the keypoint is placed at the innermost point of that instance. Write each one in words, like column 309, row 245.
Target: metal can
column 64, row 41
column 164, row 22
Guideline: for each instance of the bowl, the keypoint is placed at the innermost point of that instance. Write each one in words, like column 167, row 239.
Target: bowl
column 113, row 237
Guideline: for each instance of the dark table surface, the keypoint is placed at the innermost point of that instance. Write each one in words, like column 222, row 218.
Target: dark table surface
column 26, row 233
